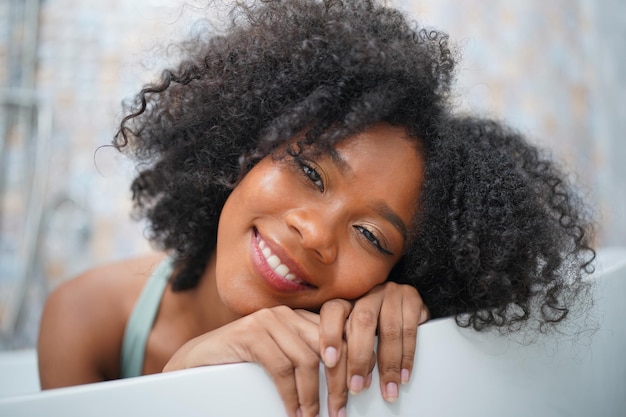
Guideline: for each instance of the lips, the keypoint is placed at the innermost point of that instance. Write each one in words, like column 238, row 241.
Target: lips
column 273, row 269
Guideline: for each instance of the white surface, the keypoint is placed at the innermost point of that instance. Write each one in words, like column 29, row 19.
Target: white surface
column 18, row 373
column 458, row 372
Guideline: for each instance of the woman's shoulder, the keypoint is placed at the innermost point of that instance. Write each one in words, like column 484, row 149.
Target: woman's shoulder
column 116, row 285
column 89, row 314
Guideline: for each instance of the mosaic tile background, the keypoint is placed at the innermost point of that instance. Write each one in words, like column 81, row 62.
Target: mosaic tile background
column 553, row 69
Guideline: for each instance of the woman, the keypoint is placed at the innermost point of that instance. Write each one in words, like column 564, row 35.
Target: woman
column 306, row 176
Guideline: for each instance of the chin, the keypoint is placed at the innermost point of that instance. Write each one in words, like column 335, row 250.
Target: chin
column 242, row 304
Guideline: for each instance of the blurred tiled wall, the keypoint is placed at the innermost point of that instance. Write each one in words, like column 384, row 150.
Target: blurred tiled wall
column 555, row 70
column 551, row 68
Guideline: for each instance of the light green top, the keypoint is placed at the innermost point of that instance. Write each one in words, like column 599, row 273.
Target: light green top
column 142, row 319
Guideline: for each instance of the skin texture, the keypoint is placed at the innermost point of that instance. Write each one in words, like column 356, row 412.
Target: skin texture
column 314, row 221
column 327, row 218
column 500, row 237
column 324, row 215
column 83, row 323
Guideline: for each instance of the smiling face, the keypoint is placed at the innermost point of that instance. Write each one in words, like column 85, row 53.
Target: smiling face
column 299, row 231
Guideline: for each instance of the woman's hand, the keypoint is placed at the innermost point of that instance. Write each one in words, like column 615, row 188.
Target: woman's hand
column 285, row 342
column 392, row 309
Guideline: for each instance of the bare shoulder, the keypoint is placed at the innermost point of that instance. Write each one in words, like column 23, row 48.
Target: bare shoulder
column 119, row 282
column 83, row 322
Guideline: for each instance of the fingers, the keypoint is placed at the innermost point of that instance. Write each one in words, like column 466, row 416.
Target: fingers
column 333, row 349
column 283, row 341
column 391, row 348
column 333, row 315
column 395, row 311
column 288, row 353
column 336, row 381
column 361, row 336
column 401, row 312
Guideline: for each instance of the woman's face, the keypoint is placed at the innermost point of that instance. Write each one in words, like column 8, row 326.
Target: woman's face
column 299, row 231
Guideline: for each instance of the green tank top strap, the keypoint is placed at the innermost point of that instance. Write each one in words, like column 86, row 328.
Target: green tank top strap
column 142, row 319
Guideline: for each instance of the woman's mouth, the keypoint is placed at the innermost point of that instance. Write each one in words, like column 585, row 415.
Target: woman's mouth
column 273, row 268
column 274, row 261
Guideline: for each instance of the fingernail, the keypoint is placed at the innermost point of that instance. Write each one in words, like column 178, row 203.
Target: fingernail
column 392, row 392
column 356, row 384
column 299, row 412
column 404, row 376
column 368, row 380
column 341, row 412
column 330, row 357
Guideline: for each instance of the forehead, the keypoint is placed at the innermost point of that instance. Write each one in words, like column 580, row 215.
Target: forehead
column 383, row 162
column 382, row 145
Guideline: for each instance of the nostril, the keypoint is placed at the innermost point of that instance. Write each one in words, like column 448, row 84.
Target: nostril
column 295, row 229
column 314, row 232
column 296, row 221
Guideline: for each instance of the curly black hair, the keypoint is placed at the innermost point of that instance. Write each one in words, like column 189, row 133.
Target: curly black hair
column 499, row 230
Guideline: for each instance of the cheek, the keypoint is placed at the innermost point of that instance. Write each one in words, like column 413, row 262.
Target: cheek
column 260, row 192
column 270, row 188
column 359, row 277
column 235, row 296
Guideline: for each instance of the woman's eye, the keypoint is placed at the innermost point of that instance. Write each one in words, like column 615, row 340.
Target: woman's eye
column 313, row 176
column 372, row 239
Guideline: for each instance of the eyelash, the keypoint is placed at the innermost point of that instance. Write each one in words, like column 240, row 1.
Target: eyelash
column 315, row 178
column 311, row 174
column 372, row 240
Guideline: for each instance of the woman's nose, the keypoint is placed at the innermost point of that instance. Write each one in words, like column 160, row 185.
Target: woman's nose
column 316, row 232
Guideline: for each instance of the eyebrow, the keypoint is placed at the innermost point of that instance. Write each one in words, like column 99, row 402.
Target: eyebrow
column 339, row 161
column 380, row 207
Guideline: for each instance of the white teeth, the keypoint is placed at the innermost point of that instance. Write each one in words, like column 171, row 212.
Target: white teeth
column 282, row 270
column 274, row 262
